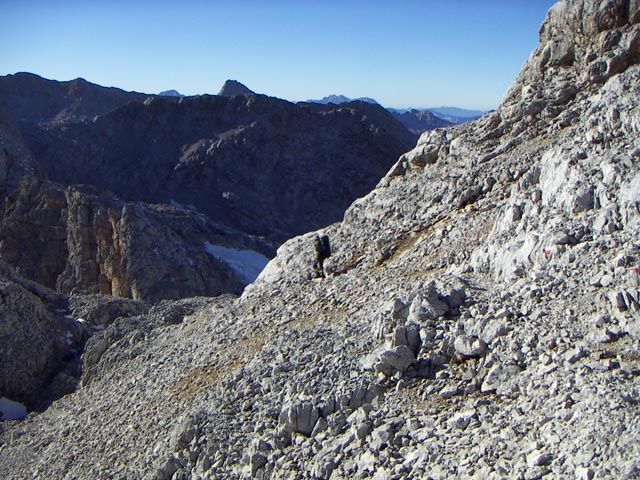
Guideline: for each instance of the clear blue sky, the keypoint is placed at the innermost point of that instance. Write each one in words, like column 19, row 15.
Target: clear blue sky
column 403, row 53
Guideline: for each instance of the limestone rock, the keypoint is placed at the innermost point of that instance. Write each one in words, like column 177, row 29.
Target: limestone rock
column 427, row 305
column 299, row 418
column 86, row 241
column 407, row 335
column 394, row 360
column 469, row 346
column 547, row 398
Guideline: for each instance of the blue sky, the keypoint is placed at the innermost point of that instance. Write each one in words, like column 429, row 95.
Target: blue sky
column 403, row 53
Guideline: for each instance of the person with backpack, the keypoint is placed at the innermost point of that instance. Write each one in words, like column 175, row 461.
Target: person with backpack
column 323, row 251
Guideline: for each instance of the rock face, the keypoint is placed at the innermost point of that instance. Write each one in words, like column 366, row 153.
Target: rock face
column 83, row 240
column 36, row 343
column 479, row 318
column 260, row 165
column 232, row 88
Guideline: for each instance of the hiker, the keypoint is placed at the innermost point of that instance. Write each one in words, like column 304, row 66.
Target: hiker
column 323, row 251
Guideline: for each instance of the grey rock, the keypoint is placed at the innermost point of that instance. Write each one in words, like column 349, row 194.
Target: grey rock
column 298, row 418
column 407, row 335
column 470, row 346
column 462, row 420
column 293, row 345
column 395, row 360
column 83, row 240
column 232, row 88
column 499, row 378
column 575, row 354
column 36, row 344
column 427, row 305
column 256, row 462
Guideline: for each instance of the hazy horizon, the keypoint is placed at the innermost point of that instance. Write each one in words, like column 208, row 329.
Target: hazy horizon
column 404, row 55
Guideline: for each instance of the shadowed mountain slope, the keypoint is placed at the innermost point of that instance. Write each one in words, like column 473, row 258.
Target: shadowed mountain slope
column 258, row 164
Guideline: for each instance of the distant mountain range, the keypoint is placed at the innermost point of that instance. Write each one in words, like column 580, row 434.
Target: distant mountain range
column 415, row 119
column 337, row 99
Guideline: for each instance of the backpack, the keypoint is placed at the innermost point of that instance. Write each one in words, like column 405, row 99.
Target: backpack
column 326, row 247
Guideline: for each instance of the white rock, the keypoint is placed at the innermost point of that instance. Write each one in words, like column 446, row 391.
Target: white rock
column 470, row 346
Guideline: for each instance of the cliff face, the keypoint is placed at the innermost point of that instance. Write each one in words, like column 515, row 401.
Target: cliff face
column 480, row 316
column 81, row 239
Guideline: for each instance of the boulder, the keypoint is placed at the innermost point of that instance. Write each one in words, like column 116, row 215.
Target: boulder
column 427, row 305
column 468, row 346
column 395, row 360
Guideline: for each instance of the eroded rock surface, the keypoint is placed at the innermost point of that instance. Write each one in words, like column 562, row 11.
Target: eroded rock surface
column 84, row 240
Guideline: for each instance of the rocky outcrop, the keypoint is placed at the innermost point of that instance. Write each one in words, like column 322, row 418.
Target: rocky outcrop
column 170, row 93
column 260, row 165
column 83, row 240
column 43, row 334
column 36, row 343
column 478, row 319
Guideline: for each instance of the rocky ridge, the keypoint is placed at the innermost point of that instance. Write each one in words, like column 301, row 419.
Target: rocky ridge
column 29, row 99
column 257, row 164
column 480, row 318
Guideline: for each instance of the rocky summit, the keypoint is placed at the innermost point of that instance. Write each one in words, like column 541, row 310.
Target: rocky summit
column 231, row 88
column 480, row 315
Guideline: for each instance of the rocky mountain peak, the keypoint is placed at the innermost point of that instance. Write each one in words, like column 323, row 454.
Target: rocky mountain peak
column 582, row 44
column 232, row 88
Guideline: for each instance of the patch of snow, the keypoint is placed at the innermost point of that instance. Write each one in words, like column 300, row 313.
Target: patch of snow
column 247, row 263
column 10, row 410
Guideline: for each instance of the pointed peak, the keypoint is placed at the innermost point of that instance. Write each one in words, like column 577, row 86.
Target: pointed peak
column 231, row 88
